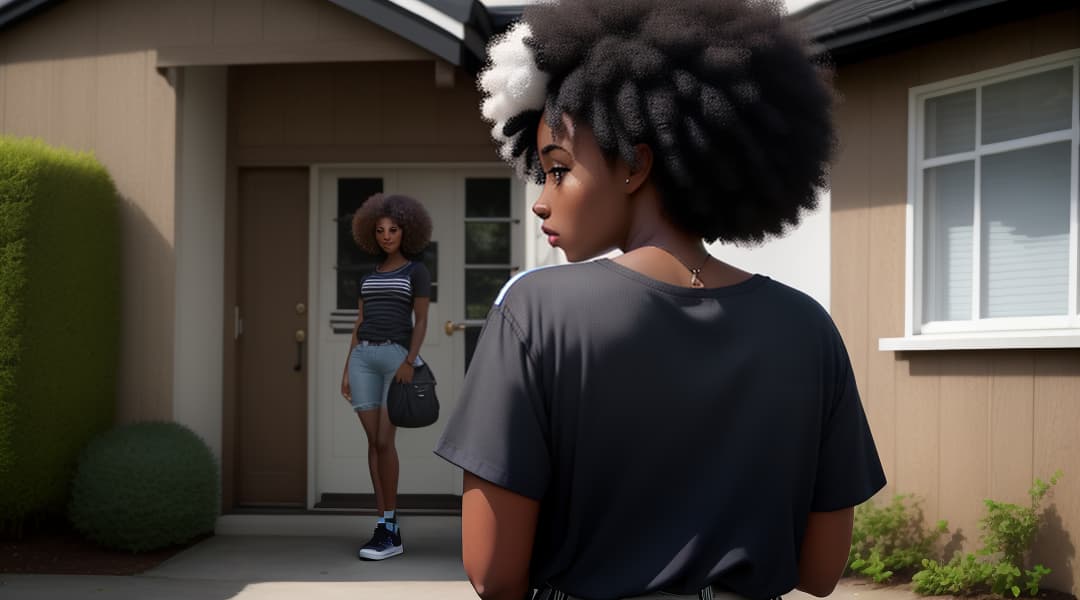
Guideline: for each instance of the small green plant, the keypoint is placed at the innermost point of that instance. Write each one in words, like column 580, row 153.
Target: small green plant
column 890, row 538
column 145, row 486
column 998, row 566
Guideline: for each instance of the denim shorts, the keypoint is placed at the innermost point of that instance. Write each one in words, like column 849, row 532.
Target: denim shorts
column 371, row 371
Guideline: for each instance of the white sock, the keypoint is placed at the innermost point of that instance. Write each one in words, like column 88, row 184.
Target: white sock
column 390, row 519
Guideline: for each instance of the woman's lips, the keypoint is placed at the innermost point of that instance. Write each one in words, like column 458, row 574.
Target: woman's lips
column 553, row 238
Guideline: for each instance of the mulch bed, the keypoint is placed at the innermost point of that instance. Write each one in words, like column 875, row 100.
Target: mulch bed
column 59, row 550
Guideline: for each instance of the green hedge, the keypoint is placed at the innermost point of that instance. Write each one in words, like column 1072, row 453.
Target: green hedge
column 59, row 320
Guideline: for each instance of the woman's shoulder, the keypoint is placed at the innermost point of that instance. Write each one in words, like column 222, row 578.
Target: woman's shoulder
column 544, row 284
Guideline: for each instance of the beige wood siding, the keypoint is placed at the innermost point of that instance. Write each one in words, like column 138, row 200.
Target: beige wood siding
column 354, row 112
column 229, row 32
column 952, row 427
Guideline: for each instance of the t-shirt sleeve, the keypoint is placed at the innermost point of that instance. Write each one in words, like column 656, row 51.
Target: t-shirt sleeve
column 421, row 281
column 499, row 431
column 849, row 471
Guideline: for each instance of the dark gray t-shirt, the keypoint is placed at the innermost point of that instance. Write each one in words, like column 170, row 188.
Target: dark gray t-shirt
column 388, row 302
column 675, row 437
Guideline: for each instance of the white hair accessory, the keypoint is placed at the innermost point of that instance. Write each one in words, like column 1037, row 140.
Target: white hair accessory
column 511, row 84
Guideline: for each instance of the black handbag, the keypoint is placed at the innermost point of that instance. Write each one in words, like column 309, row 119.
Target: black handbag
column 414, row 404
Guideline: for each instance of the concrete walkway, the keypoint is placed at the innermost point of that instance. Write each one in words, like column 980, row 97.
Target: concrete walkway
column 246, row 567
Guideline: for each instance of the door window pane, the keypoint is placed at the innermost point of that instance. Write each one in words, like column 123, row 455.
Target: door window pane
column 430, row 258
column 950, row 124
column 487, row 243
column 352, row 262
column 1026, row 106
column 948, row 217
column 1025, row 232
column 487, row 198
column 482, row 286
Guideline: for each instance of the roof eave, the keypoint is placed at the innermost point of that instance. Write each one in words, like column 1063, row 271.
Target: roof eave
column 915, row 27
column 17, row 10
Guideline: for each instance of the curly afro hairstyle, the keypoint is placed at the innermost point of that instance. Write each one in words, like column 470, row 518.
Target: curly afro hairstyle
column 407, row 212
column 724, row 92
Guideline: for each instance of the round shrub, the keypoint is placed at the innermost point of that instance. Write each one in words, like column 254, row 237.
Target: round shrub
column 145, row 486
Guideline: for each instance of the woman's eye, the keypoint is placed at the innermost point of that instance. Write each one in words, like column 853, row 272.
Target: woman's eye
column 557, row 173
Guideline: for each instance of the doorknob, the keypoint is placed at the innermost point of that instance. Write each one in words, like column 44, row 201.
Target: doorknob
column 450, row 327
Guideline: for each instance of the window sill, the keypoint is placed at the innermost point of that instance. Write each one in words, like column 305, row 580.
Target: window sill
column 991, row 340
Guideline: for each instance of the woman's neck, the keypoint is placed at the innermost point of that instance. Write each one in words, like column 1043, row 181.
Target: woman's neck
column 655, row 247
column 393, row 261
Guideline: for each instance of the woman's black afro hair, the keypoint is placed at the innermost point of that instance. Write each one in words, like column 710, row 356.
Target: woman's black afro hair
column 725, row 93
column 407, row 212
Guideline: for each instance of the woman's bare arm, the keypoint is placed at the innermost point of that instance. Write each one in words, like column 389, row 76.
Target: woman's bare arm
column 497, row 531
column 825, row 551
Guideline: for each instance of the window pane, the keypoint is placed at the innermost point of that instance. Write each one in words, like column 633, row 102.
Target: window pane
column 949, row 212
column 1027, row 106
column 481, row 288
column 950, row 124
column 1025, row 232
column 487, row 198
column 430, row 258
column 487, row 243
column 352, row 262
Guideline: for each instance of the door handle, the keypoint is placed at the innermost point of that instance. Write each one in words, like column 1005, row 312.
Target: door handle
column 450, row 327
column 300, row 336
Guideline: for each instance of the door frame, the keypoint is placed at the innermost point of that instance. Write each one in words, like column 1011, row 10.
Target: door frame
column 314, row 291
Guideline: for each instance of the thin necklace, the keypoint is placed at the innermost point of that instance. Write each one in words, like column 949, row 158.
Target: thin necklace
column 695, row 274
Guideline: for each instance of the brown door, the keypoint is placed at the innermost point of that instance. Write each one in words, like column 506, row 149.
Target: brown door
column 272, row 346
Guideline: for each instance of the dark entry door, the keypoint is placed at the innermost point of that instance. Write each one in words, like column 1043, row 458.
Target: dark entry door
column 272, row 348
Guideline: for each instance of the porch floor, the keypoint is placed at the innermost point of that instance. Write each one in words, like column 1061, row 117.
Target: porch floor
column 252, row 567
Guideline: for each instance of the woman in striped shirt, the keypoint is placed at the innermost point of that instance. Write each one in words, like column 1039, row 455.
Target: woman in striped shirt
column 386, row 340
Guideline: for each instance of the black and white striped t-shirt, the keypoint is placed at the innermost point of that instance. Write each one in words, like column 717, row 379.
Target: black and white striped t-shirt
column 388, row 301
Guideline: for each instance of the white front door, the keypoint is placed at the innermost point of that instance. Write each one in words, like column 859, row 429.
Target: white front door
column 476, row 246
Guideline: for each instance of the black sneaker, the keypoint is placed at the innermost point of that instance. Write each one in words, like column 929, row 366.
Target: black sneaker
column 383, row 544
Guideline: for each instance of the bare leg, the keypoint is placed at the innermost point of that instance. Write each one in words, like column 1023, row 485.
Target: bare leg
column 370, row 420
column 388, row 461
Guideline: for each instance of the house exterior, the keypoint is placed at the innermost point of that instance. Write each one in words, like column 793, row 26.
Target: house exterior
column 954, row 254
column 242, row 133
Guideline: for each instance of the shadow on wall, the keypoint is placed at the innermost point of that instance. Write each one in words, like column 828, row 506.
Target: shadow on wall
column 954, row 545
column 1054, row 549
column 144, row 380
column 950, row 363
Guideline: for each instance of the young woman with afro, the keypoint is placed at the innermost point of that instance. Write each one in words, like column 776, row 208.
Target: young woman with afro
column 386, row 340
column 662, row 422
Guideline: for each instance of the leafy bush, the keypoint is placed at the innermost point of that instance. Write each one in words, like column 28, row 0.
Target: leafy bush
column 890, row 538
column 1007, row 533
column 145, row 486
column 59, row 321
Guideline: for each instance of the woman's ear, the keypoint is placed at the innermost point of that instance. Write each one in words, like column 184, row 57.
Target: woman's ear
column 641, row 169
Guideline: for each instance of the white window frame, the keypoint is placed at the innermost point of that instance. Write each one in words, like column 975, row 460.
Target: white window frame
column 987, row 333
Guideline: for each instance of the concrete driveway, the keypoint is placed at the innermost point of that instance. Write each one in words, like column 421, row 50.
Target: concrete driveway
column 314, row 567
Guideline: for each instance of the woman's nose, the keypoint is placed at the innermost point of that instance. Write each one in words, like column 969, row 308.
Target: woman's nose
column 541, row 210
